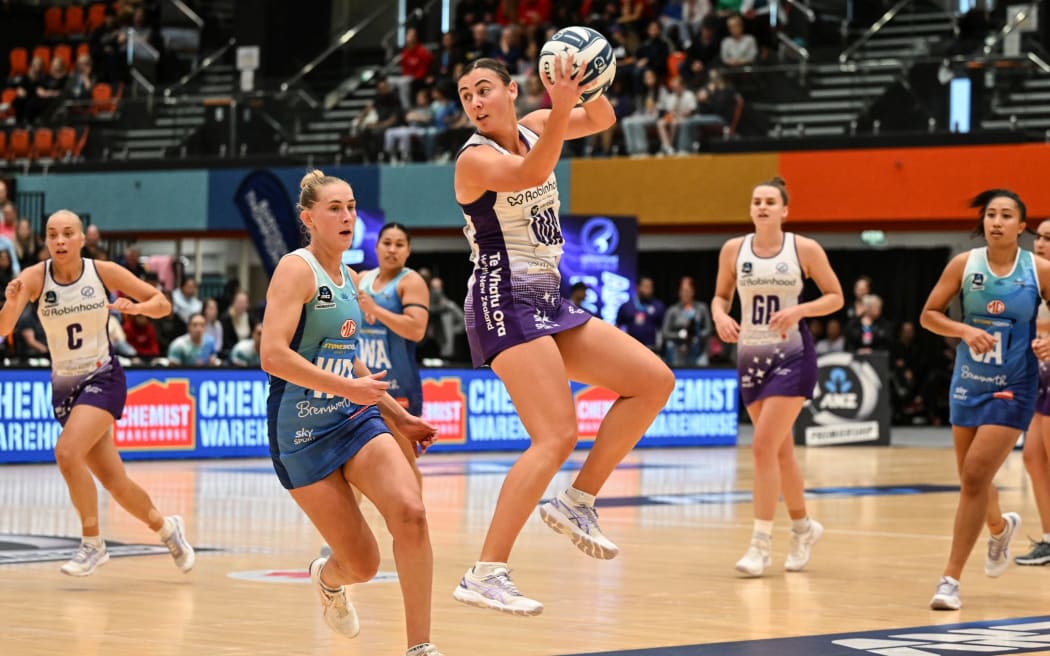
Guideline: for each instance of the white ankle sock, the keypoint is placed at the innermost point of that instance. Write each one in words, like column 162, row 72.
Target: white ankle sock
column 487, row 569
column 579, row 497
column 1046, row 537
column 800, row 525
column 94, row 540
column 166, row 529
column 763, row 527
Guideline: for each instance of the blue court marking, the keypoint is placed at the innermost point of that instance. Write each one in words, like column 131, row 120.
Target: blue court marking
column 1022, row 635
column 744, row 496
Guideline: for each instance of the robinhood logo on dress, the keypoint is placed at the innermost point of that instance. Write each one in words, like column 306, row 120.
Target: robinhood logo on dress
column 592, row 403
column 445, row 407
column 158, row 416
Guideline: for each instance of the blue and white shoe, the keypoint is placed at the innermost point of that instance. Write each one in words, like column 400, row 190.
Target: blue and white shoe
column 496, row 591
column 179, row 547
column 580, row 523
column 86, row 560
column 998, row 558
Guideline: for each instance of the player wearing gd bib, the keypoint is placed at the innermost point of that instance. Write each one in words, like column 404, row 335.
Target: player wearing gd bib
column 994, row 383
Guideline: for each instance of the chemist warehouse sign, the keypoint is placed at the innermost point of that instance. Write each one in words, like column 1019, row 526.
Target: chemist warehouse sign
column 221, row 413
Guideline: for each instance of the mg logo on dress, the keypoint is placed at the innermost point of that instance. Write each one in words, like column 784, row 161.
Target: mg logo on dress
column 996, row 307
column 348, row 329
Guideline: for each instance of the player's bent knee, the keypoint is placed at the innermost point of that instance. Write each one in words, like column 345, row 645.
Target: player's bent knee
column 67, row 457
column 410, row 519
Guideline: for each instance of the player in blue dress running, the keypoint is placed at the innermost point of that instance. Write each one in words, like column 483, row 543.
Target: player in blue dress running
column 394, row 300
column 88, row 387
column 994, row 385
column 776, row 361
column 535, row 340
column 326, row 432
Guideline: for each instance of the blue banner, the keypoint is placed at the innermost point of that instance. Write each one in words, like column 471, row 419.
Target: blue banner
column 362, row 252
column 269, row 216
column 221, row 413
column 602, row 253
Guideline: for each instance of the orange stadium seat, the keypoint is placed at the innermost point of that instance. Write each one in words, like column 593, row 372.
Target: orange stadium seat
column 7, row 96
column 65, row 142
column 19, row 60
column 102, row 101
column 19, row 146
column 96, row 16
column 43, row 143
column 75, row 20
column 53, row 26
column 3, row 145
column 674, row 60
column 83, row 49
column 44, row 53
column 65, row 53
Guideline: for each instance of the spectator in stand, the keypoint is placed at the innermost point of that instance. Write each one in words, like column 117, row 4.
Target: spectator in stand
column 446, row 326
column 445, row 60
column 652, row 54
column 383, row 112
column 168, row 328
column 533, row 13
column 624, row 55
column 30, row 339
column 509, row 50
column 416, row 61
column 907, row 373
column 642, row 317
column 687, row 327
column 479, row 46
column 26, row 105
column 8, row 246
column 142, row 336
column 397, row 141
column 212, row 325
column 870, row 331
column 51, row 89
column 8, row 220
column 834, row 341
column 738, row 49
column 118, row 339
column 861, row 288
column 694, row 13
column 184, row 300
column 578, row 293
column 237, row 323
column 702, row 54
column 646, row 114
column 245, row 353
column 452, row 125
column 108, row 44
column 471, row 12
column 27, row 244
column 676, row 124
column 622, row 101
column 569, row 12
column 7, row 270
column 93, row 247
column 532, row 96
column 81, row 83
column 194, row 349
column 133, row 262
column 632, row 18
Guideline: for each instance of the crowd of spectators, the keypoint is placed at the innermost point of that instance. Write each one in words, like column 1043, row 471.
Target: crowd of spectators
column 676, row 61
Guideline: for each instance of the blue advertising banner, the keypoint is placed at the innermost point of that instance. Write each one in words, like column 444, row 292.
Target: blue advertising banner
column 269, row 216
column 221, row 413
column 362, row 252
column 602, row 253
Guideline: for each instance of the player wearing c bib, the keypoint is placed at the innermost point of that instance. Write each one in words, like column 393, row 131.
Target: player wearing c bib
column 775, row 360
column 87, row 383
column 326, row 433
column 995, row 381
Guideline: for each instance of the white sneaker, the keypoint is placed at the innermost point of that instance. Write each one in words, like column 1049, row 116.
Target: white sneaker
column 580, row 523
column 86, row 560
column 756, row 559
column 947, row 595
column 179, row 546
column 496, row 591
column 338, row 612
column 425, row 649
column 998, row 558
column 801, row 545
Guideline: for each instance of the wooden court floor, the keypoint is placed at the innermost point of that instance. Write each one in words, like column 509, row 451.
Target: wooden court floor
column 681, row 518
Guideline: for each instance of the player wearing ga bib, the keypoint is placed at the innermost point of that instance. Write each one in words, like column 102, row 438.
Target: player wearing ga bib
column 383, row 349
column 514, row 292
column 83, row 369
column 313, row 433
column 998, row 387
column 770, row 364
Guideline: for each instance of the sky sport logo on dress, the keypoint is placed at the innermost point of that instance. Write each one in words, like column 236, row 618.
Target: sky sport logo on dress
column 445, row 408
column 158, row 416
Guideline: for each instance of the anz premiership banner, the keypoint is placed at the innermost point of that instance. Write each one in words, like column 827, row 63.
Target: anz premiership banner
column 221, row 413
column 850, row 405
column 601, row 252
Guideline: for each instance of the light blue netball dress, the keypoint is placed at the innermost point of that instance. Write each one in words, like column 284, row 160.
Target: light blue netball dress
column 998, row 387
column 382, row 348
column 313, row 433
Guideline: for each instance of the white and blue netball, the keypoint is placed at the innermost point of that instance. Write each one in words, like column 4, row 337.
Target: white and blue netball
column 586, row 45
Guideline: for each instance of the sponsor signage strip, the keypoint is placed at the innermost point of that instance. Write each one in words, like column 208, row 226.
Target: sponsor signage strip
column 221, row 413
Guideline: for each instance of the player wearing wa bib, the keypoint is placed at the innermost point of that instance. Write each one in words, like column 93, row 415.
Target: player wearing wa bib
column 771, row 364
column 514, row 293
column 383, row 349
column 83, row 369
column 998, row 387
column 313, row 433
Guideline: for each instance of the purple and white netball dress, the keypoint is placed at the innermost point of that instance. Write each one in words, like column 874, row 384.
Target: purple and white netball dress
column 83, row 369
column 514, row 293
column 769, row 363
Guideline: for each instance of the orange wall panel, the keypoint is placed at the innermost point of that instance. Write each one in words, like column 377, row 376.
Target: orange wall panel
column 909, row 184
column 703, row 189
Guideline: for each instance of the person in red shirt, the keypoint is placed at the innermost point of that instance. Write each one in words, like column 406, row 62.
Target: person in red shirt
column 416, row 60
column 142, row 336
